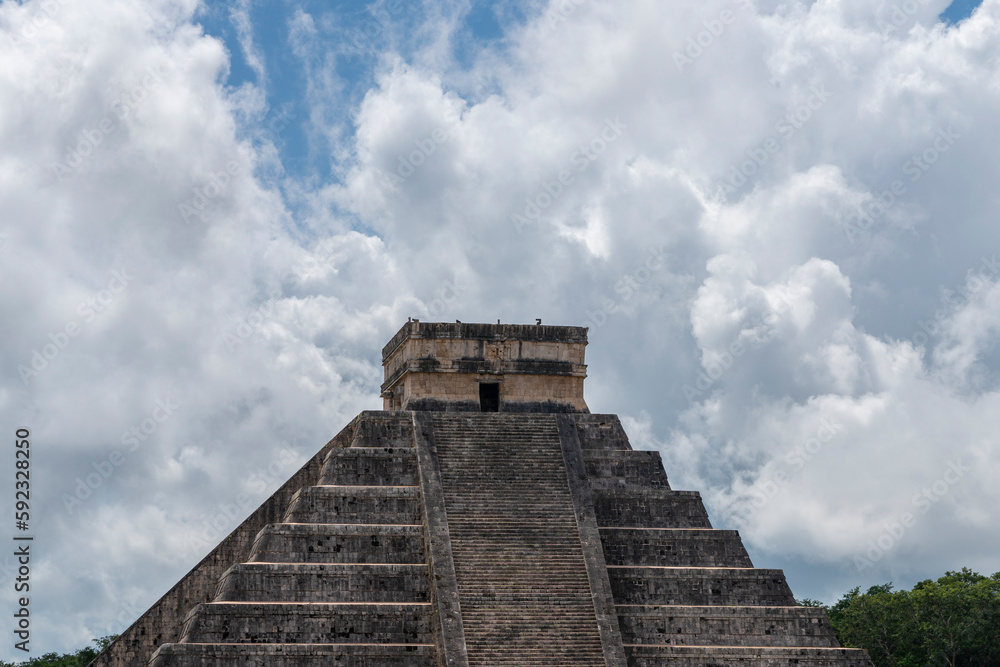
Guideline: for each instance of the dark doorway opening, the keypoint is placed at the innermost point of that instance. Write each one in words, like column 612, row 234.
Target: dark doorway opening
column 489, row 397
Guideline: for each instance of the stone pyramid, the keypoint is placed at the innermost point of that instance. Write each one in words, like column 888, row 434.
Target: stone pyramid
column 484, row 518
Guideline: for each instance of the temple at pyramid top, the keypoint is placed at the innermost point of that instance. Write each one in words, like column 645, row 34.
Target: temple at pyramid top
column 458, row 367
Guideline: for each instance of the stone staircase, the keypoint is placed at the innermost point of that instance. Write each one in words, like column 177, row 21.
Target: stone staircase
column 522, row 582
column 686, row 594
column 342, row 579
column 493, row 540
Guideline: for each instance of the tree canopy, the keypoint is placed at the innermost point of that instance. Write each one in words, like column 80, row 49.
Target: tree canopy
column 81, row 658
column 953, row 622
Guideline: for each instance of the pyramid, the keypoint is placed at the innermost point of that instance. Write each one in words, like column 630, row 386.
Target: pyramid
column 484, row 518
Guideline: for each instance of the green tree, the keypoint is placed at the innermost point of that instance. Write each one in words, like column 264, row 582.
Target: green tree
column 880, row 620
column 951, row 622
column 81, row 658
column 809, row 602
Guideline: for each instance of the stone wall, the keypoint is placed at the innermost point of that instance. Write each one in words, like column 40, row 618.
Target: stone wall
column 440, row 367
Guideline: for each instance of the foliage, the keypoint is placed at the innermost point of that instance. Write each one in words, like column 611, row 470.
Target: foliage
column 81, row 658
column 809, row 602
column 951, row 622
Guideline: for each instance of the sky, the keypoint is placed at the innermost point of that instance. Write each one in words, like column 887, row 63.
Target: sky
column 777, row 218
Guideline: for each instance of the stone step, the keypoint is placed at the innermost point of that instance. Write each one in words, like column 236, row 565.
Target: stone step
column 625, row 470
column 371, row 466
column 504, row 653
column 339, row 543
column 323, row 582
column 383, row 429
column 515, row 587
column 744, row 656
column 294, row 655
column 601, row 433
column 355, row 504
column 725, row 626
column 699, row 586
column 308, row 623
column 626, row 508
column 689, row 547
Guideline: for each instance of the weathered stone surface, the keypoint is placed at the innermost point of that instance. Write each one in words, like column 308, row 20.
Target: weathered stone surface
column 324, row 582
column 650, row 508
column 678, row 547
column 377, row 428
column 703, row 656
column 625, row 470
column 294, row 655
column 439, row 366
column 339, row 543
column 371, row 466
column 699, row 586
column 601, row 433
column 590, row 540
column 355, row 504
column 726, row 626
column 522, row 580
column 313, row 623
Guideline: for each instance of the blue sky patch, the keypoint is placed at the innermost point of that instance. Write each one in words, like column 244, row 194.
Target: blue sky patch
column 959, row 9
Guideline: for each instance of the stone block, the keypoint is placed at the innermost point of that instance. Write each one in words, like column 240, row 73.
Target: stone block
column 625, row 469
column 676, row 547
column 726, row 626
column 370, row 466
column 323, row 582
column 294, row 655
column 355, row 504
column 339, row 543
column 629, row 508
column 312, row 623
column 699, row 586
